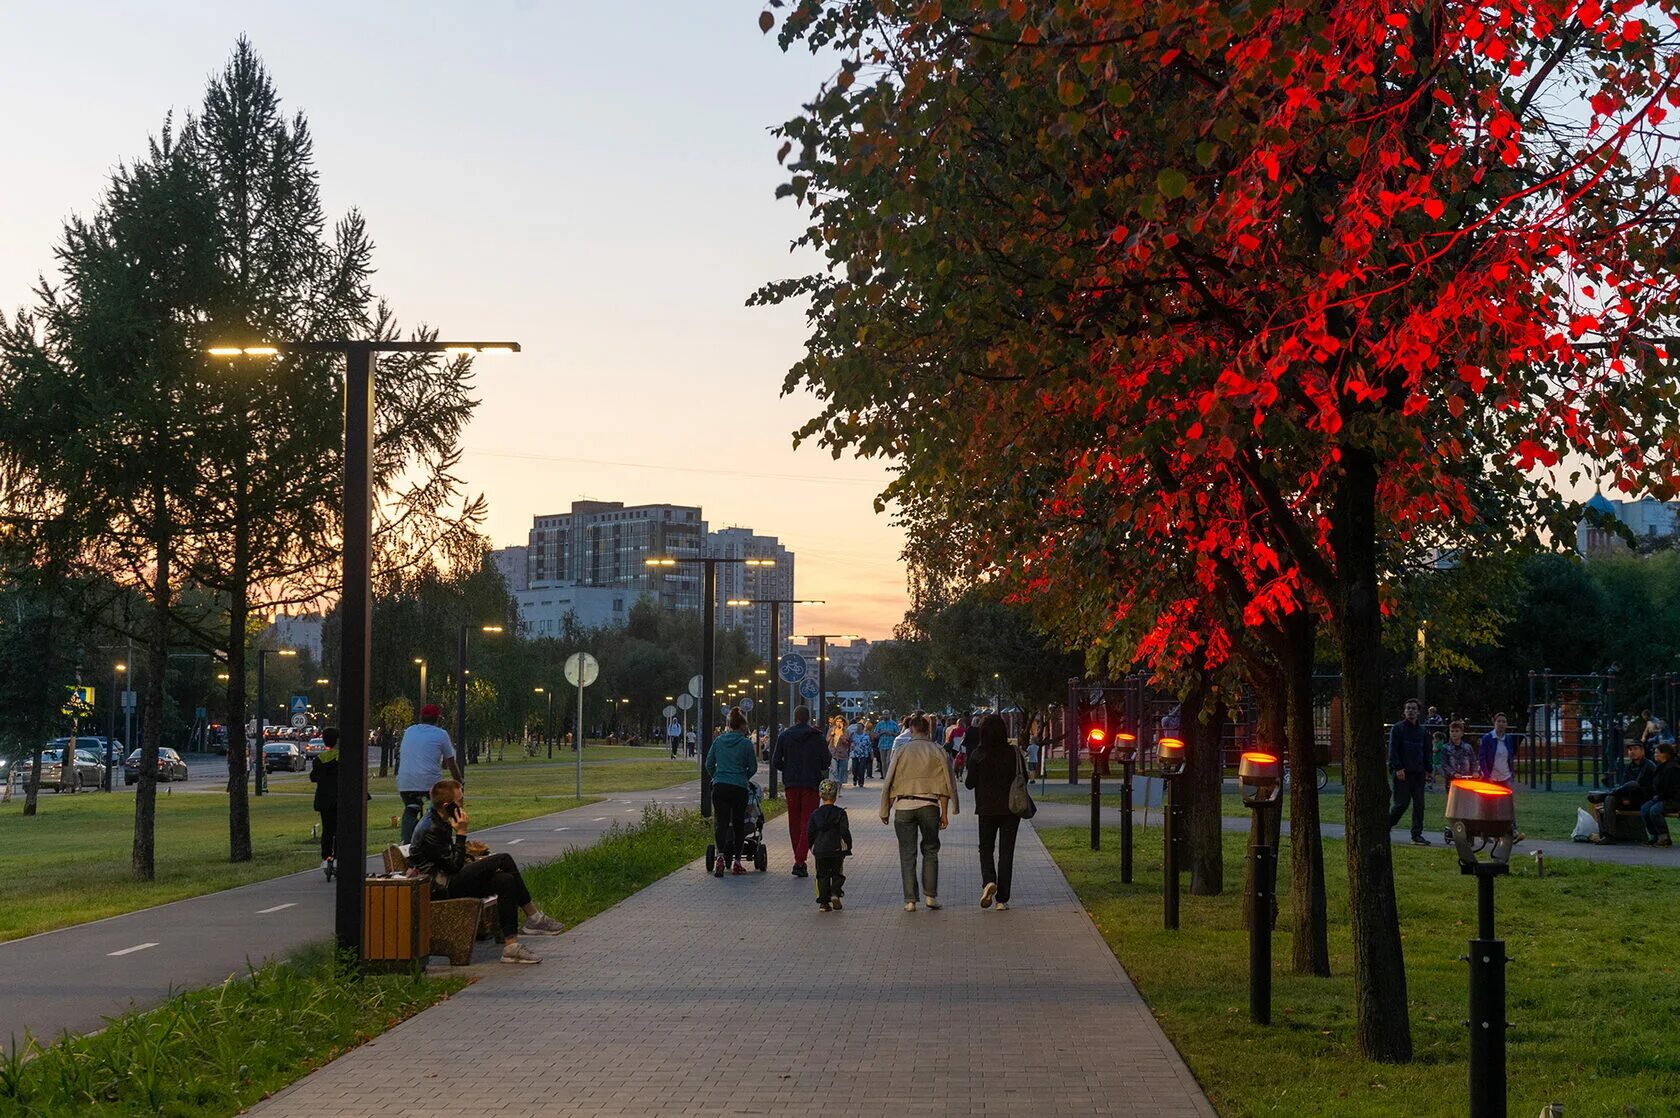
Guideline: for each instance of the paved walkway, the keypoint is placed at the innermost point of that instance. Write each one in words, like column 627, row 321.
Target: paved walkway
column 71, row 979
column 699, row 996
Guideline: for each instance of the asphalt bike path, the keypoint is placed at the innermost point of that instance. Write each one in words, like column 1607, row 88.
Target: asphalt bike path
column 736, row 996
column 72, row 978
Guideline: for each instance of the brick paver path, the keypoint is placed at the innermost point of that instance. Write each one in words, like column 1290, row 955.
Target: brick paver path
column 700, row 996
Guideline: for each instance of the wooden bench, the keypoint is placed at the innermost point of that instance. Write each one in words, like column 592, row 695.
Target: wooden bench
column 456, row 923
column 1629, row 827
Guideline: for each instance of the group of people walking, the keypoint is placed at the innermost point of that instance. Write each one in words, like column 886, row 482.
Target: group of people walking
column 918, row 797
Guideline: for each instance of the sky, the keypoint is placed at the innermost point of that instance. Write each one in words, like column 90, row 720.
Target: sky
column 594, row 181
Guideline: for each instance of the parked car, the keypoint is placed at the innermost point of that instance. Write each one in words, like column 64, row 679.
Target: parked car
column 314, row 748
column 88, row 768
column 283, row 756
column 170, row 766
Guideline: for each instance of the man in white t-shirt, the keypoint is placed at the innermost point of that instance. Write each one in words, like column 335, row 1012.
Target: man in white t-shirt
column 424, row 753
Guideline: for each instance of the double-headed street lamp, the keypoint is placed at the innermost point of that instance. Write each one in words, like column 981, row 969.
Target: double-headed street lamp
column 822, row 640
column 355, row 603
column 708, row 648
column 461, row 682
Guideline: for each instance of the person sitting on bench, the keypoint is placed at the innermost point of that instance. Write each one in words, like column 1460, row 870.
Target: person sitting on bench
column 439, row 851
column 1665, row 799
column 1635, row 784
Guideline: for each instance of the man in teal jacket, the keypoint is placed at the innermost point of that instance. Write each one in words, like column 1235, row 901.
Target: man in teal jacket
column 731, row 762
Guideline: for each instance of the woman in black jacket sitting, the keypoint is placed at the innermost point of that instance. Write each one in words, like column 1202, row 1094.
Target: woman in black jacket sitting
column 992, row 764
column 439, row 851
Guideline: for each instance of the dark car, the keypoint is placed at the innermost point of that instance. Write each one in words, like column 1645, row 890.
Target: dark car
column 283, row 756
column 169, row 764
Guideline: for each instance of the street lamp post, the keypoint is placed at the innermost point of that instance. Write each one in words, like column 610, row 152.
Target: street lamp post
column 822, row 640
column 708, row 649
column 548, row 719
column 1260, row 778
column 1482, row 819
column 355, row 604
column 1169, row 753
column 461, row 685
column 775, row 695
column 421, row 660
column 117, row 671
column 261, row 778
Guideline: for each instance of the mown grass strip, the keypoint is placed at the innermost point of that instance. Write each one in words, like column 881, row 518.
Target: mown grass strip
column 216, row 1051
column 1593, row 990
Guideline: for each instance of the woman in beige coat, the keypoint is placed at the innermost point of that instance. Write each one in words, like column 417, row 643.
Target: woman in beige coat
column 918, row 797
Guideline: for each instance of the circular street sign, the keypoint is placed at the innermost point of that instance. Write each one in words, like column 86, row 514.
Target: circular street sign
column 685, row 702
column 582, row 663
column 669, row 712
column 695, row 683
column 299, row 721
column 809, row 689
column 746, row 705
column 792, row 668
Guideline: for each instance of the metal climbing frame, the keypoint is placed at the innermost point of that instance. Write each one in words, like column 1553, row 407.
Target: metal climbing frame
column 1571, row 717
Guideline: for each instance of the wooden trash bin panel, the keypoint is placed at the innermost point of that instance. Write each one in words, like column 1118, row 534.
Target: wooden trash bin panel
column 396, row 923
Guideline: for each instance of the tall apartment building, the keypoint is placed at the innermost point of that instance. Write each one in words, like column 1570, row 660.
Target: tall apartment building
column 739, row 582
column 605, row 543
column 515, row 565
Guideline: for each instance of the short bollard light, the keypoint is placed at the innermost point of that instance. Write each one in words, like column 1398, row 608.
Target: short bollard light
column 1481, row 817
column 1126, row 749
column 1260, row 779
column 1097, row 744
column 1169, row 755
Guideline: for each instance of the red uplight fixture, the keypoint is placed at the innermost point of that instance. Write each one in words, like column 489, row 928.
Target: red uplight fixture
column 1260, row 778
column 1481, row 816
column 1126, row 746
column 1170, row 753
column 1096, row 740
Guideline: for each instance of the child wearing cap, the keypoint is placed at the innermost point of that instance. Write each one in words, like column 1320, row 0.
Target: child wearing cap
column 830, row 835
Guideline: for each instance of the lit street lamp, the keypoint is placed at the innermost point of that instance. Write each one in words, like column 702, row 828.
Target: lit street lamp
column 461, row 685
column 708, row 648
column 1169, row 754
column 356, row 595
column 1260, row 779
column 421, row 660
column 1482, row 818
column 261, row 777
column 1126, row 748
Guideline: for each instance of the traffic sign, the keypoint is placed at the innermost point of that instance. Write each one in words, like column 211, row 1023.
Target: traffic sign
column 685, row 702
column 299, row 705
column 809, row 688
column 299, row 721
column 129, row 702
column 79, row 703
column 746, row 705
column 694, row 686
column 581, row 665
column 793, row 668
column 669, row 711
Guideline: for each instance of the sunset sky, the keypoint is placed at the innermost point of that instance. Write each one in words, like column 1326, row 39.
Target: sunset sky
column 592, row 180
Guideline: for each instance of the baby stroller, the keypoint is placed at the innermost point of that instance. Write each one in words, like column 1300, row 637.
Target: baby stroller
column 752, row 842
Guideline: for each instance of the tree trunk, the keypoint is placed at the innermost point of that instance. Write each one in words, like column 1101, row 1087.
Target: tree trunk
column 1268, row 687
column 151, row 719
column 1203, row 779
column 1310, row 941
column 1382, row 1025
column 239, row 613
column 32, row 787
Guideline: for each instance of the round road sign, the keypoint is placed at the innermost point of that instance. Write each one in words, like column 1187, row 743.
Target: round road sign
column 792, row 668
column 746, row 705
column 694, row 685
column 581, row 664
column 809, row 689
column 669, row 712
column 685, row 702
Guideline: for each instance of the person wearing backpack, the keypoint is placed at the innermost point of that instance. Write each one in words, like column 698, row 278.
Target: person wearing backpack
column 993, row 762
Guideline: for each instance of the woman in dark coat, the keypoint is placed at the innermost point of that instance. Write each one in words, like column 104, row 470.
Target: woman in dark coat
column 992, row 763
column 323, row 773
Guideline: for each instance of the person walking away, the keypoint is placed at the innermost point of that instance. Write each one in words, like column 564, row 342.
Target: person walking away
column 992, row 766
column 323, row 773
column 673, row 730
column 439, row 852
column 1408, row 759
column 954, row 738
column 731, row 762
column 801, row 756
column 886, row 733
column 829, row 833
column 1665, row 799
column 424, row 753
column 918, row 798
column 863, row 752
column 839, row 748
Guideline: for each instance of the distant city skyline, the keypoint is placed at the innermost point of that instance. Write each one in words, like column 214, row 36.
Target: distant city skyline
column 611, row 208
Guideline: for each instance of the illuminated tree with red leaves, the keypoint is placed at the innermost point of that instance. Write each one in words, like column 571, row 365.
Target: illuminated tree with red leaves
column 1284, row 290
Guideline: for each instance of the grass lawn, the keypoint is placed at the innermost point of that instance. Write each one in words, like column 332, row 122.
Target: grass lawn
column 217, row 1051
column 1592, row 994
column 69, row 863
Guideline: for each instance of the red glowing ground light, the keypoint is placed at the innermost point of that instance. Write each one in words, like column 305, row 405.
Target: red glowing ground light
column 1260, row 758
column 1097, row 735
column 1482, row 787
column 1125, row 737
